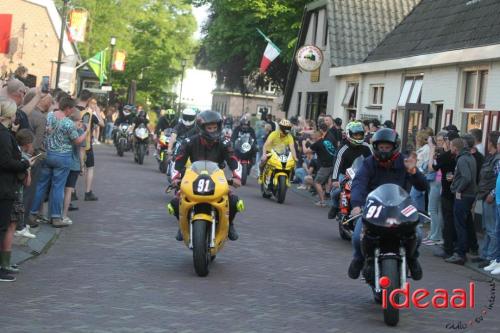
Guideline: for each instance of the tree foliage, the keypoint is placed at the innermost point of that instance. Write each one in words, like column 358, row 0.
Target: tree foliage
column 232, row 47
column 156, row 34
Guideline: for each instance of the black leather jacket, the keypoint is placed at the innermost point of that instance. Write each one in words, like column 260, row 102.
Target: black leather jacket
column 198, row 149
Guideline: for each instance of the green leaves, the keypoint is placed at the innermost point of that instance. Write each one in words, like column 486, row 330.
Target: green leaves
column 156, row 34
column 233, row 48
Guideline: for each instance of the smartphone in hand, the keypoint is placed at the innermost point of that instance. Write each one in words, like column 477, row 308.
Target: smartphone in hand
column 45, row 84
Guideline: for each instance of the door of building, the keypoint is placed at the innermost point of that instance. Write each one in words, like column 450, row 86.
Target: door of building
column 416, row 118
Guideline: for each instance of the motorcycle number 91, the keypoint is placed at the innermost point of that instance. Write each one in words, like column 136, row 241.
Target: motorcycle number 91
column 204, row 186
column 374, row 211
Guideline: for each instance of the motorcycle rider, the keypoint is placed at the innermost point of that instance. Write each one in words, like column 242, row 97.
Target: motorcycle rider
column 184, row 128
column 352, row 149
column 209, row 145
column 125, row 116
column 386, row 165
column 242, row 128
column 167, row 120
column 279, row 140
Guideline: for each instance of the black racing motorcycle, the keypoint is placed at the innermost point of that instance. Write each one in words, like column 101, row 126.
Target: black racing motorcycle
column 141, row 143
column 390, row 222
column 244, row 149
column 121, row 139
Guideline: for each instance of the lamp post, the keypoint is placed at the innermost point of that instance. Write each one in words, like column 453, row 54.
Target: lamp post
column 112, row 42
column 183, row 64
column 61, row 40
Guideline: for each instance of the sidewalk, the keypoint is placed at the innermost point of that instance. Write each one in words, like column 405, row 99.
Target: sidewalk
column 25, row 248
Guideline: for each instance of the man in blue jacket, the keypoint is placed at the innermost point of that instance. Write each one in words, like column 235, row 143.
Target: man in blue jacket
column 386, row 166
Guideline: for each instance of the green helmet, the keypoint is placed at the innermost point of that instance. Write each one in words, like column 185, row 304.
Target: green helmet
column 355, row 133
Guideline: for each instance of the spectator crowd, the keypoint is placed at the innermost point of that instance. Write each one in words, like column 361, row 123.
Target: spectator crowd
column 46, row 143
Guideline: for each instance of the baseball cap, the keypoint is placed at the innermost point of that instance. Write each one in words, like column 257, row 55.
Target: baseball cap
column 450, row 128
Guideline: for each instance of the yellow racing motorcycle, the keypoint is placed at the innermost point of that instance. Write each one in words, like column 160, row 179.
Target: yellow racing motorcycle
column 204, row 212
column 275, row 178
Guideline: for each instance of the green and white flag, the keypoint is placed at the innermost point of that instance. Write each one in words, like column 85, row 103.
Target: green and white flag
column 98, row 65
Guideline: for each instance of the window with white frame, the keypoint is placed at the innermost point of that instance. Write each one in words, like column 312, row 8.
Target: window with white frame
column 350, row 100
column 376, row 95
column 475, row 89
column 412, row 90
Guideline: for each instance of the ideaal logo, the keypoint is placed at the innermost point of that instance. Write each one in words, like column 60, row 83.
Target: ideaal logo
column 422, row 298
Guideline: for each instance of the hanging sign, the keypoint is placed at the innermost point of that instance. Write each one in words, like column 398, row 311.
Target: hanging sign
column 309, row 58
column 77, row 24
column 119, row 61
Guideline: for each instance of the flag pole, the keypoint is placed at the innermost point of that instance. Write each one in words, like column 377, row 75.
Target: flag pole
column 268, row 40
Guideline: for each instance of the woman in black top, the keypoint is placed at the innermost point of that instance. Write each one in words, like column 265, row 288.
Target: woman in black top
column 11, row 167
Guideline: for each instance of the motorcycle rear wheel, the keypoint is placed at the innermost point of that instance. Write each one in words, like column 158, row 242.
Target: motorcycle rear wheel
column 201, row 252
column 281, row 191
column 390, row 269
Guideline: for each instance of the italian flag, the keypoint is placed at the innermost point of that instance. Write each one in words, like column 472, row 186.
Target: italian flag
column 271, row 53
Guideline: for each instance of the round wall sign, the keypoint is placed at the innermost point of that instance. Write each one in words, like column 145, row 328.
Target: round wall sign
column 309, row 58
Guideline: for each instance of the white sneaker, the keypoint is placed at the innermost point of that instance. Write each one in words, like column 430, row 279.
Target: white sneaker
column 67, row 220
column 496, row 271
column 25, row 233
column 493, row 265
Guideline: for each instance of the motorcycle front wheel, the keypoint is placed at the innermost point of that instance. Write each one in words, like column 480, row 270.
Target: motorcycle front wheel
column 281, row 191
column 141, row 151
column 244, row 174
column 390, row 270
column 201, row 252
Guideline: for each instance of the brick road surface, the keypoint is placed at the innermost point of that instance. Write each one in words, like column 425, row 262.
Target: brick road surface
column 119, row 269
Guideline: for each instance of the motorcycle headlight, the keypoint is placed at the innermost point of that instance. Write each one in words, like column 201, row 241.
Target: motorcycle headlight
column 246, row 147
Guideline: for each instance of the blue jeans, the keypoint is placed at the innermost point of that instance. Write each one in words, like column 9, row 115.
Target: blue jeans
column 335, row 192
column 55, row 170
column 108, row 130
column 489, row 224
column 356, row 240
column 300, row 174
column 497, row 256
column 418, row 198
column 436, row 232
column 461, row 210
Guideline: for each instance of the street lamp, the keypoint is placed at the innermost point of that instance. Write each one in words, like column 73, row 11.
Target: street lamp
column 112, row 42
column 183, row 64
column 61, row 40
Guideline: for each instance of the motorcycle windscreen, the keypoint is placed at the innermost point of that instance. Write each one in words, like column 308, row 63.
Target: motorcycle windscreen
column 206, row 167
column 389, row 206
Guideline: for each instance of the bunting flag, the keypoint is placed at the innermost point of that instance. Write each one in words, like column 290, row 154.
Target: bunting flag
column 77, row 24
column 270, row 54
column 119, row 61
column 98, row 65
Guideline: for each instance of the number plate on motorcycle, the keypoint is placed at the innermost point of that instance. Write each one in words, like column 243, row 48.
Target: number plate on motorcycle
column 203, row 185
column 283, row 158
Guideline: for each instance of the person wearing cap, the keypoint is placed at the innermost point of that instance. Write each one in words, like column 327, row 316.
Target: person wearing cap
column 445, row 161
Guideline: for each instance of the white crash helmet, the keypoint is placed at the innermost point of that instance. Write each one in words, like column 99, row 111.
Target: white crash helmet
column 188, row 116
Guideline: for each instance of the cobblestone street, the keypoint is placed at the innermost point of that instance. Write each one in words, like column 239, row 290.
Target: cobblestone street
column 120, row 269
